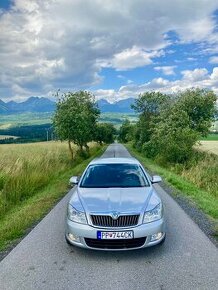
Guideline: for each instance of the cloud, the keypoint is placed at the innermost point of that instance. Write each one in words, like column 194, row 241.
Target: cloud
column 213, row 60
column 196, row 30
column 197, row 78
column 133, row 58
column 166, row 70
column 197, row 74
column 51, row 44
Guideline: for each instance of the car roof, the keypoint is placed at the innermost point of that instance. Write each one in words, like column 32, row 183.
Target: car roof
column 116, row 160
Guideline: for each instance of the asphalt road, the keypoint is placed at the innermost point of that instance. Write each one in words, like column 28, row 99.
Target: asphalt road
column 42, row 260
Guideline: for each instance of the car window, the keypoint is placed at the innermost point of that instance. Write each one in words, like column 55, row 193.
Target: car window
column 114, row 175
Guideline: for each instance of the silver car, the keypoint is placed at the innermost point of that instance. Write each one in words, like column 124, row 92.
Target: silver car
column 114, row 206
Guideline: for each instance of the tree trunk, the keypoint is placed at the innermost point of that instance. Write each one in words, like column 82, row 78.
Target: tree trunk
column 87, row 147
column 71, row 150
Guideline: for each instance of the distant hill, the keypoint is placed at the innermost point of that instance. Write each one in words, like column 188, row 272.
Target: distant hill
column 3, row 107
column 33, row 104
column 123, row 106
column 41, row 105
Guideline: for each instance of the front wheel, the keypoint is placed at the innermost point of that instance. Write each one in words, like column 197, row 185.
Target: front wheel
column 68, row 241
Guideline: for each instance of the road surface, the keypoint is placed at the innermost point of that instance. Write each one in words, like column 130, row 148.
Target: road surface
column 43, row 260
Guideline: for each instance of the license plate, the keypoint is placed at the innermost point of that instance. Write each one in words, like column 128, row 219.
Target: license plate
column 114, row 235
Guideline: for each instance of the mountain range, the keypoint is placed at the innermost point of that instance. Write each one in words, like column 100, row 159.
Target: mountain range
column 40, row 105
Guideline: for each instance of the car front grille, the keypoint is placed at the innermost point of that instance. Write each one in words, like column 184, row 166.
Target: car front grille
column 115, row 244
column 122, row 221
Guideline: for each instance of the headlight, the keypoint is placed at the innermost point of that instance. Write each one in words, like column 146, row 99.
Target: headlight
column 76, row 216
column 153, row 215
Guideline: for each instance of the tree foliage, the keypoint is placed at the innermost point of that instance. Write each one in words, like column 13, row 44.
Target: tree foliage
column 169, row 126
column 105, row 133
column 172, row 139
column 75, row 118
column 126, row 131
column 200, row 107
column 148, row 105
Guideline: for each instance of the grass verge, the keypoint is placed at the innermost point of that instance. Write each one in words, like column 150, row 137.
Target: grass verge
column 204, row 200
column 16, row 222
column 211, row 137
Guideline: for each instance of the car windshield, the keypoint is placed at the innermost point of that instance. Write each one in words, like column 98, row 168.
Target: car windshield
column 114, row 175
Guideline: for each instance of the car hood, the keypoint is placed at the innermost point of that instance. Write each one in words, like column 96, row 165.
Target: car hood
column 103, row 200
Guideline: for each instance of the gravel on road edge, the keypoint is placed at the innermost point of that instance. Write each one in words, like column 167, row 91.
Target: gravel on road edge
column 198, row 216
column 206, row 224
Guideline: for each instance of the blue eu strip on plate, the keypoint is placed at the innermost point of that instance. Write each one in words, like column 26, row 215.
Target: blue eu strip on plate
column 98, row 235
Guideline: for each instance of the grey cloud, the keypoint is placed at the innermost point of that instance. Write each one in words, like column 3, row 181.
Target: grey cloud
column 47, row 44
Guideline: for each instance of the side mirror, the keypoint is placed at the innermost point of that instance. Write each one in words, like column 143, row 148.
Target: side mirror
column 156, row 179
column 74, row 180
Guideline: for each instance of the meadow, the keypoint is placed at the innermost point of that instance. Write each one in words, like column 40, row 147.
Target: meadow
column 210, row 146
column 196, row 180
column 14, row 120
column 26, row 168
column 32, row 178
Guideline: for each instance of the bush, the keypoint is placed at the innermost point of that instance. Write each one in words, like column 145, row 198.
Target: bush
column 172, row 140
column 169, row 127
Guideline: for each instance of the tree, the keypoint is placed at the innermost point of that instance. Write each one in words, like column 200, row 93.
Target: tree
column 168, row 127
column 148, row 105
column 126, row 131
column 200, row 107
column 75, row 118
column 172, row 139
column 105, row 133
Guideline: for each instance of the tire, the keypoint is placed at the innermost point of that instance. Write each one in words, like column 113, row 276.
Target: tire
column 68, row 241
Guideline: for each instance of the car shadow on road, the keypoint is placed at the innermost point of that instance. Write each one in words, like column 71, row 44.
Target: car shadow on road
column 139, row 254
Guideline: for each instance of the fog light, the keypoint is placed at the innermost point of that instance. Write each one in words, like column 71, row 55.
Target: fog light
column 156, row 237
column 74, row 238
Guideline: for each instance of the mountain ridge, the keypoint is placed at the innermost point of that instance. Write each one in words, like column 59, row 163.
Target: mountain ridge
column 42, row 104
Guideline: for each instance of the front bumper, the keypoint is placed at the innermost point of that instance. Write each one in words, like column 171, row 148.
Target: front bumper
column 77, row 234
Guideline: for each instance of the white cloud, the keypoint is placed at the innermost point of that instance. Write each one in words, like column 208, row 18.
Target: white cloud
column 110, row 95
column 191, row 58
column 166, row 70
column 213, row 60
column 197, row 30
column 51, row 44
column 197, row 74
column 197, row 78
column 132, row 58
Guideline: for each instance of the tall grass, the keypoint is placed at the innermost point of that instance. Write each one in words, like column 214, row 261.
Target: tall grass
column 203, row 173
column 27, row 168
column 33, row 177
column 196, row 180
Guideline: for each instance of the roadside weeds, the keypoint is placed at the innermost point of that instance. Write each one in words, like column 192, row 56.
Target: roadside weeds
column 198, row 204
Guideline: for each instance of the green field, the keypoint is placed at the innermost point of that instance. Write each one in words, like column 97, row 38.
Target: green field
column 211, row 137
column 32, row 178
column 7, row 121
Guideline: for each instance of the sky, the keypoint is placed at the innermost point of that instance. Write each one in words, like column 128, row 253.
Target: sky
column 114, row 48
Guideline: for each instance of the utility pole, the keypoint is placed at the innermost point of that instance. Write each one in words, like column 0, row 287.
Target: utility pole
column 47, row 133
